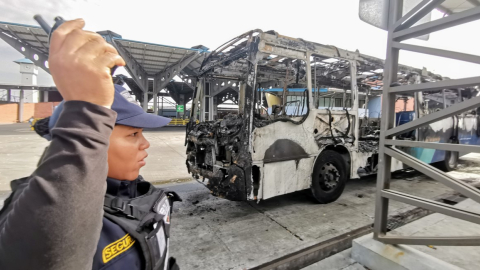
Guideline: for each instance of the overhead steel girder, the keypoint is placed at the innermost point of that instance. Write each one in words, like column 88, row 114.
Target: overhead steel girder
column 416, row 14
column 439, row 24
column 438, row 207
column 434, row 117
column 27, row 51
column 435, row 86
column 438, row 52
column 164, row 77
column 449, row 181
column 135, row 70
column 464, row 148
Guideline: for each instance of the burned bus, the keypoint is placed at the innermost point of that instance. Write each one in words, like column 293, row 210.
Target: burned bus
column 308, row 117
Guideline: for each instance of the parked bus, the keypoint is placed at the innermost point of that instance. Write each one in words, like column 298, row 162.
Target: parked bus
column 308, row 118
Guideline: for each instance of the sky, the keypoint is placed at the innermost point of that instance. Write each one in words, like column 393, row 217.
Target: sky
column 188, row 23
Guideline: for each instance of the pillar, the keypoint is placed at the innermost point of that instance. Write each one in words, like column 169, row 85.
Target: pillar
column 20, row 107
column 145, row 100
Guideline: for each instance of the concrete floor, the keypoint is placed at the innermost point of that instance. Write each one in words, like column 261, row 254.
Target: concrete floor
column 212, row 233
column 20, row 149
column 440, row 225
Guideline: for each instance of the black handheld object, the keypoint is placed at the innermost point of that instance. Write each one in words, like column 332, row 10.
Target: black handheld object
column 49, row 30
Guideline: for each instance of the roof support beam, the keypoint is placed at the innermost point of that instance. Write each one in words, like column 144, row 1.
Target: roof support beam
column 164, row 77
column 434, row 117
column 438, row 52
column 28, row 51
column 416, row 14
column 135, row 70
column 439, row 24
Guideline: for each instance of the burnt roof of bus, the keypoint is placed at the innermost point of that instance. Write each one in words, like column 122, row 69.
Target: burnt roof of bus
column 279, row 53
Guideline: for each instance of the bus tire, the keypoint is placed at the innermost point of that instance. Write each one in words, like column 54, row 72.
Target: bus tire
column 450, row 162
column 329, row 176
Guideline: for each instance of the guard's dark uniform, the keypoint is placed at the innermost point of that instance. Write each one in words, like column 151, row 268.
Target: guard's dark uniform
column 116, row 250
column 136, row 225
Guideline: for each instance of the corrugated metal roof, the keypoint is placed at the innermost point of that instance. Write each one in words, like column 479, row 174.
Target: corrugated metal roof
column 155, row 58
column 33, row 35
column 152, row 57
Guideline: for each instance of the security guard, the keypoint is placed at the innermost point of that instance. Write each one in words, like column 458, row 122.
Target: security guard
column 53, row 219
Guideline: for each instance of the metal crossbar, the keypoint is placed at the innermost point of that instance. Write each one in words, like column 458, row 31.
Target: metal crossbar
column 400, row 28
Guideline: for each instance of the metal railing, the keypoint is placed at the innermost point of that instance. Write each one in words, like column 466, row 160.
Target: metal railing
column 401, row 28
column 180, row 122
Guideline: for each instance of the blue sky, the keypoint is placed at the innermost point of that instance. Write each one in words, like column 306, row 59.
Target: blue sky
column 187, row 23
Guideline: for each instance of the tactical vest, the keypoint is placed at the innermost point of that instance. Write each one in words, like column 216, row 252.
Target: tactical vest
column 147, row 219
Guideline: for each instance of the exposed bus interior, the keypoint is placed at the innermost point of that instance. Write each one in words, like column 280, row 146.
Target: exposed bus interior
column 247, row 83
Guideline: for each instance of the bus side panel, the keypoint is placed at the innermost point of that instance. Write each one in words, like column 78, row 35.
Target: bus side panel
column 468, row 131
column 439, row 132
column 285, row 177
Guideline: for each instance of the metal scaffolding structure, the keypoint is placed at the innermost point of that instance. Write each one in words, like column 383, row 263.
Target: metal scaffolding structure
column 401, row 28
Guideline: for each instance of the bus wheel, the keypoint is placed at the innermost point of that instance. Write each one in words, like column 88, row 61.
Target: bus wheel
column 329, row 177
column 450, row 163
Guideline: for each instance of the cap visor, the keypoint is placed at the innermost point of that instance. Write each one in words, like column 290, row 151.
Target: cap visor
column 145, row 120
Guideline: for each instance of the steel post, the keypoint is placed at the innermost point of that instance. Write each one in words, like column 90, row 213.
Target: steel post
column 388, row 117
column 20, row 106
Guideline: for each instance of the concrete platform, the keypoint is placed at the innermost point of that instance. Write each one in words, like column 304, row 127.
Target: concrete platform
column 21, row 148
column 339, row 261
column 376, row 255
column 212, row 233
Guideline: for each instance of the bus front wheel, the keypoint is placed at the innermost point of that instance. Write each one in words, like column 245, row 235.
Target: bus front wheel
column 329, row 177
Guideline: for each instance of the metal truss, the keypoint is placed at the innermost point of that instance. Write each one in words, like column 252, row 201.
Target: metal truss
column 164, row 77
column 133, row 68
column 28, row 51
column 401, row 28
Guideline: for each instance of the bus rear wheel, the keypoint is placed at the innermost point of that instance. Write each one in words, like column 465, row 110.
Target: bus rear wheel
column 329, row 177
column 450, row 162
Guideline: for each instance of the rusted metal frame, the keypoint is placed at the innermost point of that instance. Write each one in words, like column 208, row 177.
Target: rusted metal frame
column 434, row 117
column 435, row 206
column 416, row 14
column 439, row 24
column 464, row 148
column 387, row 122
column 437, row 52
column 356, row 99
column 455, row 184
column 224, row 46
column 309, row 80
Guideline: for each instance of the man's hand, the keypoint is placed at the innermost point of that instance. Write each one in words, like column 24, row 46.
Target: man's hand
column 80, row 63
